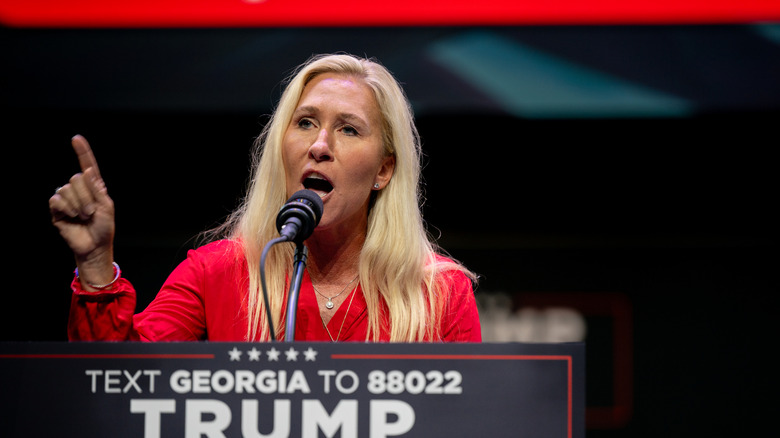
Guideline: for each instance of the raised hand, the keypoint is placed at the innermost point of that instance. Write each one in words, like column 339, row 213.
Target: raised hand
column 83, row 213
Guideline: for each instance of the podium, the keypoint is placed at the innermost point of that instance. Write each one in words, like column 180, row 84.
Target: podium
column 215, row 389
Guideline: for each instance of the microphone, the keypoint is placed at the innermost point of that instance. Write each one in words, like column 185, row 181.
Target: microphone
column 298, row 218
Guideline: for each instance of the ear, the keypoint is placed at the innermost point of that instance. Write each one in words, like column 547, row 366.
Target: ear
column 385, row 172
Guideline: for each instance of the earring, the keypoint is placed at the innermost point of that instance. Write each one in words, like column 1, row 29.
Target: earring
column 376, row 186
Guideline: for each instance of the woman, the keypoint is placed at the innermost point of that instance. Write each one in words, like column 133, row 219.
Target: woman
column 344, row 129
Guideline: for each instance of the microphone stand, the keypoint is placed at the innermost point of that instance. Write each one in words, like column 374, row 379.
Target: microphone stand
column 299, row 265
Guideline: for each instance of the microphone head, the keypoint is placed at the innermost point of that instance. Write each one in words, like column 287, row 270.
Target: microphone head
column 305, row 207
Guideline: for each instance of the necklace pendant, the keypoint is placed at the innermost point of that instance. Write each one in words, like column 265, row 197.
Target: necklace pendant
column 329, row 304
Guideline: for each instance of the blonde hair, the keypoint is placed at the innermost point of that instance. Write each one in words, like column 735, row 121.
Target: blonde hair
column 398, row 265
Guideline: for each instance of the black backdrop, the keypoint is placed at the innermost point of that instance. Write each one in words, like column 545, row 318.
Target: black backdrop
column 676, row 213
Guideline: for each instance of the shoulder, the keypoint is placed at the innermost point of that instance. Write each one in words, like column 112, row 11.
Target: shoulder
column 210, row 268
column 218, row 254
column 450, row 274
column 445, row 266
column 220, row 247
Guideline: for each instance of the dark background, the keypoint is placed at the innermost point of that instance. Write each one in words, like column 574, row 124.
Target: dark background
column 673, row 210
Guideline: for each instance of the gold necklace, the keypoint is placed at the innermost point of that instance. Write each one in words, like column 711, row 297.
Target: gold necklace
column 338, row 335
column 330, row 304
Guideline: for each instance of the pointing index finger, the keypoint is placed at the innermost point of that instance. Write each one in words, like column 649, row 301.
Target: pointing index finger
column 84, row 153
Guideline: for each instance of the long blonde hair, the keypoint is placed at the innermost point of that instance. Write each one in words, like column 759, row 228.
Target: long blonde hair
column 398, row 265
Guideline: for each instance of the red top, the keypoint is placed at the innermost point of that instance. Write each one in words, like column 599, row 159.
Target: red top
column 203, row 300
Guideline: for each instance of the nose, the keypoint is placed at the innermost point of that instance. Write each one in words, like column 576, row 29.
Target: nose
column 320, row 149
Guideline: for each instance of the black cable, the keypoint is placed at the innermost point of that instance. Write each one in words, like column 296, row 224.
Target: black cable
column 262, row 282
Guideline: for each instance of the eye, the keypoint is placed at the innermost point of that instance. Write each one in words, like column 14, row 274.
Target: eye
column 305, row 123
column 349, row 130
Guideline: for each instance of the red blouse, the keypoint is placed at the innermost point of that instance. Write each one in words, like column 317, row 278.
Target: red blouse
column 203, row 299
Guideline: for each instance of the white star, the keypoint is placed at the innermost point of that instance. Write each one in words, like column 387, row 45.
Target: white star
column 292, row 354
column 254, row 354
column 273, row 354
column 234, row 354
column 310, row 355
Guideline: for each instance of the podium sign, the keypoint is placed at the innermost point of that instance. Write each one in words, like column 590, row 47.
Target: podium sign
column 207, row 389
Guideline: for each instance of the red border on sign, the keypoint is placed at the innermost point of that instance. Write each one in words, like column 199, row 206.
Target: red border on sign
column 106, row 356
column 568, row 360
column 617, row 307
column 286, row 13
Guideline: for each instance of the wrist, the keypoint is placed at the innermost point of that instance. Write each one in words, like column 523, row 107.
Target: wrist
column 97, row 272
column 92, row 287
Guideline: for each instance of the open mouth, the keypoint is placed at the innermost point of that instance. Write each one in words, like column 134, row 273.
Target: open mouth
column 318, row 184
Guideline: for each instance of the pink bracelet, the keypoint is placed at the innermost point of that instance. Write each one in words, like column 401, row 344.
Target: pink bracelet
column 117, row 273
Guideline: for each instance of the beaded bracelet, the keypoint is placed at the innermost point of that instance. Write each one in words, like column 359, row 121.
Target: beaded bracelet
column 117, row 273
